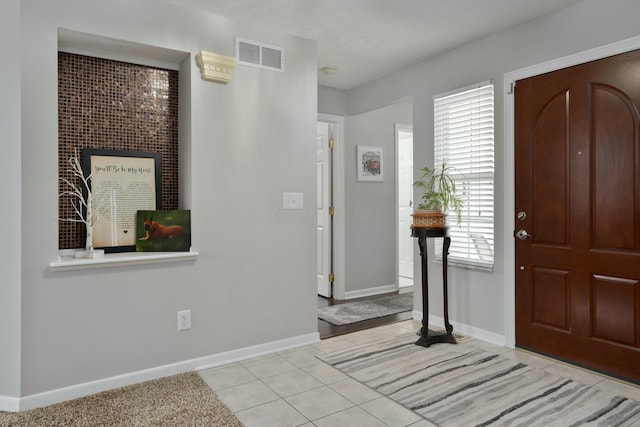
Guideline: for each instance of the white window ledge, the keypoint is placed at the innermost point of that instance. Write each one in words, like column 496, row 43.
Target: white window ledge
column 120, row 259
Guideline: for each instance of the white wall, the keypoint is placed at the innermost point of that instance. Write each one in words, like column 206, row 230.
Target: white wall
column 477, row 299
column 332, row 101
column 10, row 214
column 254, row 281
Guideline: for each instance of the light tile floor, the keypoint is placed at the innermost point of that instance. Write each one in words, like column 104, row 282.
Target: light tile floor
column 294, row 388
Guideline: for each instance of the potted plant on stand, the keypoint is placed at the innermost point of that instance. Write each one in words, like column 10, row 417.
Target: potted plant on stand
column 438, row 197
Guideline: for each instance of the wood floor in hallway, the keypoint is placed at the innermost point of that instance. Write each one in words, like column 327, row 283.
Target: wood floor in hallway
column 328, row 330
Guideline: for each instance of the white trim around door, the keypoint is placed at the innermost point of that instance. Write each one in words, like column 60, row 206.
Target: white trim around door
column 509, row 173
column 404, row 183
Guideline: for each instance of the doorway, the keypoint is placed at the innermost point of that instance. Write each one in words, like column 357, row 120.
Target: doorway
column 330, row 204
column 324, row 230
column 404, row 200
column 576, row 204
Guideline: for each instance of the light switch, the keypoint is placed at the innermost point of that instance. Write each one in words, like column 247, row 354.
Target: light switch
column 292, row 201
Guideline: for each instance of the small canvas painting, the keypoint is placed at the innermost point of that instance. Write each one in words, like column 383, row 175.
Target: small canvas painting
column 163, row 231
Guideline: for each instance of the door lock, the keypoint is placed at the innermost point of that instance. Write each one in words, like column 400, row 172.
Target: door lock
column 522, row 234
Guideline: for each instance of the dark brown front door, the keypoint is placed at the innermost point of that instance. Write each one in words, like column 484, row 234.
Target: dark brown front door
column 577, row 163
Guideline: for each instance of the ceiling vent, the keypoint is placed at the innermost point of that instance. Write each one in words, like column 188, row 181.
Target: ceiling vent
column 260, row 55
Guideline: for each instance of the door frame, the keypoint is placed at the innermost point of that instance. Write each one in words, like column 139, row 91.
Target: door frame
column 398, row 127
column 509, row 164
column 323, row 214
column 339, row 204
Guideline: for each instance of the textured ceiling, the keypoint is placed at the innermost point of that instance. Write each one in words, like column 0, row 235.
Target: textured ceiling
column 368, row 39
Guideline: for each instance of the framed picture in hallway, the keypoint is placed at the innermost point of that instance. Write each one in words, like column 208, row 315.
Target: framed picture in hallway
column 369, row 163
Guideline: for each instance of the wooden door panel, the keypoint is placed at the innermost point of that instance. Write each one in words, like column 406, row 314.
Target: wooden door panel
column 615, row 142
column 551, row 298
column 615, row 308
column 549, row 183
column 577, row 163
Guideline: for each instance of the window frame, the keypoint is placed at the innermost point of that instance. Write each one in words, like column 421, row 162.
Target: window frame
column 467, row 117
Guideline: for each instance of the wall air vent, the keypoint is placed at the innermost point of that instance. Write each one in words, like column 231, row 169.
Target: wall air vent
column 257, row 54
column 248, row 53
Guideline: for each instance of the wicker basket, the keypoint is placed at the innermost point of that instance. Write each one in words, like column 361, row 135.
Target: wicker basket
column 429, row 219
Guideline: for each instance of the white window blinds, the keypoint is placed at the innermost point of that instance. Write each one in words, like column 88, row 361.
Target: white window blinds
column 464, row 138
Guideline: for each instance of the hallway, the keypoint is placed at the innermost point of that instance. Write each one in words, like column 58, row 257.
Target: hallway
column 327, row 330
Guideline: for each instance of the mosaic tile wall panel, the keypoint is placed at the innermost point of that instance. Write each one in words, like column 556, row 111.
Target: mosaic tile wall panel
column 114, row 105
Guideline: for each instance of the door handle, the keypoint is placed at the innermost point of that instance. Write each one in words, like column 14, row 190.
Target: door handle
column 522, row 234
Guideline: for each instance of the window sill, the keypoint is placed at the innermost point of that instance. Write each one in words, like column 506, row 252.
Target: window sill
column 65, row 263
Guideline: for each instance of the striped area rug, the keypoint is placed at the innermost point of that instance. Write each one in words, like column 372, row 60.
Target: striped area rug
column 460, row 385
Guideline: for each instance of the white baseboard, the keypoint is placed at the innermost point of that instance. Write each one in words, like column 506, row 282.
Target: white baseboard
column 80, row 390
column 9, row 404
column 370, row 291
column 256, row 351
column 470, row 331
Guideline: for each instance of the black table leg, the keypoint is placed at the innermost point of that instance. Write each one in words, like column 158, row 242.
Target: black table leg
column 427, row 336
column 445, row 289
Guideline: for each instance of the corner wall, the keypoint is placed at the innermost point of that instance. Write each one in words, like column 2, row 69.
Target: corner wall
column 11, row 213
column 250, row 140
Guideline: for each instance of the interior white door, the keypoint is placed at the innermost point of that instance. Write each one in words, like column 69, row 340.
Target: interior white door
column 323, row 221
column 404, row 141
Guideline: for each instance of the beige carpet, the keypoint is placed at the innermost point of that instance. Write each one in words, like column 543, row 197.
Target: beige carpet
column 179, row 400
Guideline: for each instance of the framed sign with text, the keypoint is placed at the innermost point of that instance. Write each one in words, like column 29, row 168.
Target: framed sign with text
column 122, row 183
